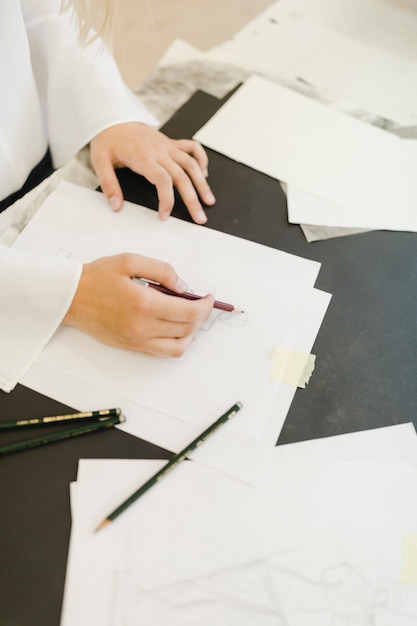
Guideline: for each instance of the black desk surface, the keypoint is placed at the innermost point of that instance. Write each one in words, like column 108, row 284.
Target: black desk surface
column 365, row 374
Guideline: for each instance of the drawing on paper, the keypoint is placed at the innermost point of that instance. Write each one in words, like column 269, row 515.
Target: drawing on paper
column 67, row 254
column 265, row 593
column 236, row 320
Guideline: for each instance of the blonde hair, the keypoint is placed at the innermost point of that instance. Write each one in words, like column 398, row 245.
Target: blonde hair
column 95, row 18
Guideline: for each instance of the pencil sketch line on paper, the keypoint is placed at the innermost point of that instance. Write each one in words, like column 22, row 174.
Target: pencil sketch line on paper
column 243, row 593
column 354, row 600
column 234, row 319
column 262, row 592
column 64, row 253
column 237, row 320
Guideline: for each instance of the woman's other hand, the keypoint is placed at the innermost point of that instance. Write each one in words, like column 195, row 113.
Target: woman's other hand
column 165, row 162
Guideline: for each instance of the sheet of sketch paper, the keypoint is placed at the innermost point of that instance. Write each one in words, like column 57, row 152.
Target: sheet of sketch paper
column 396, row 443
column 387, row 202
column 321, row 543
column 341, row 52
column 76, row 221
column 297, row 140
column 227, row 451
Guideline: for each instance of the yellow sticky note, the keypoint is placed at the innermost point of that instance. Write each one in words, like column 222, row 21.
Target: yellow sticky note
column 409, row 572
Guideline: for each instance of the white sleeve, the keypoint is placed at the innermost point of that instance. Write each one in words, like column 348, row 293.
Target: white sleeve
column 81, row 89
column 35, row 294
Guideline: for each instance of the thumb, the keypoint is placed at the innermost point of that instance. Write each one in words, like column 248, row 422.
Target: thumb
column 109, row 184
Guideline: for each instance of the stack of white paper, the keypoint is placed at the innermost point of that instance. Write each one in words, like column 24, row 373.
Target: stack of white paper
column 323, row 541
column 359, row 56
column 170, row 401
column 339, row 171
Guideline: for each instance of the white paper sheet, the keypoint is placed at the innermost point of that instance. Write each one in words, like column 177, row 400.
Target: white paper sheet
column 388, row 26
column 236, row 456
column 322, row 545
column 388, row 444
column 387, row 202
column 228, row 451
column 343, row 52
column 78, row 222
column 298, row 140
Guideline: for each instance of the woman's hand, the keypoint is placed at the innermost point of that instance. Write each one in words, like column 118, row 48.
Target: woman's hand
column 165, row 162
column 112, row 308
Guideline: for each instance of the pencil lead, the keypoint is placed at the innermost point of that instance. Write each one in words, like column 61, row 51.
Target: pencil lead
column 102, row 524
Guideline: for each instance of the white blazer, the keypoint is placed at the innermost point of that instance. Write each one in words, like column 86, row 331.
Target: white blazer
column 56, row 94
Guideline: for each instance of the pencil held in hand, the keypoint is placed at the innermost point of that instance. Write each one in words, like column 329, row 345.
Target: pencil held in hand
column 218, row 304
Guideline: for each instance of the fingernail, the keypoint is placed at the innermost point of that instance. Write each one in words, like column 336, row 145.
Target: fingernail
column 201, row 217
column 181, row 285
column 209, row 198
column 114, row 203
column 205, row 172
column 164, row 216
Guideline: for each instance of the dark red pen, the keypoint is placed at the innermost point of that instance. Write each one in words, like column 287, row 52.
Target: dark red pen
column 223, row 306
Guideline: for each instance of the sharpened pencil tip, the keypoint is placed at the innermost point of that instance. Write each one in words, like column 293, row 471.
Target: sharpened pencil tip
column 102, row 524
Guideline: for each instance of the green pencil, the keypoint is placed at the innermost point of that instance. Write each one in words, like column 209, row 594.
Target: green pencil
column 53, row 419
column 180, row 456
column 92, row 427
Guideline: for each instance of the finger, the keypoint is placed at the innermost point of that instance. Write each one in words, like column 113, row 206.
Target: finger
column 178, row 169
column 183, row 183
column 166, row 347
column 197, row 151
column 138, row 266
column 108, row 182
column 166, row 316
column 196, row 175
column 176, row 316
column 178, row 310
column 161, row 178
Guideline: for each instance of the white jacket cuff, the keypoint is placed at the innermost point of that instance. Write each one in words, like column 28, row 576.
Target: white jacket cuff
column 36, row 293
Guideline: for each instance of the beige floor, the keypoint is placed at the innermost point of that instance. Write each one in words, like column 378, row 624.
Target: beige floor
column 147, row 28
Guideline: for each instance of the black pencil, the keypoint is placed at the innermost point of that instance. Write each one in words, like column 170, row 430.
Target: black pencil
column 53, row 419
column 180, row 456
column 83, row 429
